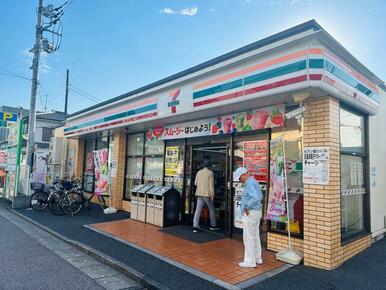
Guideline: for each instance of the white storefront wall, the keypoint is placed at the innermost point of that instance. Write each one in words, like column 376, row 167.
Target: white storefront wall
column 377, row 149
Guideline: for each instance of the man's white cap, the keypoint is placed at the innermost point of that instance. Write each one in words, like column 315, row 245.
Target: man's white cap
column 239, row 171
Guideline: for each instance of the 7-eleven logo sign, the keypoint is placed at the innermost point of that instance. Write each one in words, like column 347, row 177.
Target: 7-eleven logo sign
column 174, row 102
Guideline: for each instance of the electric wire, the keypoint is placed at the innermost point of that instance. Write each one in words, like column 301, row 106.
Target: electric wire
column 84, row 96
column 11, row 73
column 85, row 93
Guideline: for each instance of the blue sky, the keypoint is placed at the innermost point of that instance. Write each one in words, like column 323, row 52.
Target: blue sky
column 114, row 46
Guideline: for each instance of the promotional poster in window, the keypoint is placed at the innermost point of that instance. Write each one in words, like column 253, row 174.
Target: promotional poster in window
column 101, row 171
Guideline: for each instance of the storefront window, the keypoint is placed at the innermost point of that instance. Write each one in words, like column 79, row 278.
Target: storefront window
column 153, row 170
column 292, row 135
column 154, row 147
column 144, row 162
column 135, row 144
column 88, row 169
column 353, row 182
column 134, row 162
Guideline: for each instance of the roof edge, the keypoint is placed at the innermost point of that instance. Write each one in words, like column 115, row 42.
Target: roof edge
column 309, row 25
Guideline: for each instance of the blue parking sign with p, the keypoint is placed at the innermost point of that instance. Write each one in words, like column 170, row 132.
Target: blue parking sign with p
column 9, row 117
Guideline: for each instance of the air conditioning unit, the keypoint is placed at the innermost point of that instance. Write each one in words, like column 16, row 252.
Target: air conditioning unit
column 55, row 152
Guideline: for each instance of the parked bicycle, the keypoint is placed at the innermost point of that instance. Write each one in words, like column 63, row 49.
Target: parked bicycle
column 50, row 196
column 73, row 201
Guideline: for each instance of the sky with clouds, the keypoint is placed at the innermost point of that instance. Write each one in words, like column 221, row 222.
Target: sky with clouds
column 114, row 46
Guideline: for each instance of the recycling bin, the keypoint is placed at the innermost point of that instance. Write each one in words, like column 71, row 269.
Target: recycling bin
column 134, row 202
column 141, row 200
column 167, row 206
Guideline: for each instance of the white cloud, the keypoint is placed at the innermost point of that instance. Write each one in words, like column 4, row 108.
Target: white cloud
column 189, row 11
column 185, row 11
column 167, row 11
column 213, row 10
column 294, row 2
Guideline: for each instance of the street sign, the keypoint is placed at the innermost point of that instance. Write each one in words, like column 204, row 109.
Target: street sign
column 6, row 118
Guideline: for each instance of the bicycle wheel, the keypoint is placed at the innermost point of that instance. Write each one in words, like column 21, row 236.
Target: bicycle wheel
column 39, row 200
column 71, row 203
column 54, row 202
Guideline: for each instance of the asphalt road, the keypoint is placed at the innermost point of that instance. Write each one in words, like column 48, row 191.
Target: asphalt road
column 26, row 264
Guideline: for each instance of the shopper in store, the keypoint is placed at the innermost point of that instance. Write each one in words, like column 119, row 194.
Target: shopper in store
column 252, row 211
column 204, row 183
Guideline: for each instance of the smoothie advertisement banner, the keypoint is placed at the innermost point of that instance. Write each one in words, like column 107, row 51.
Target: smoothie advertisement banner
column 239, row 122
column 101, row 171
column 276, row 210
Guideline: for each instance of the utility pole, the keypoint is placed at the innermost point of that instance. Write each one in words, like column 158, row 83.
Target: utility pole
column 35, row 75
column 66, row 96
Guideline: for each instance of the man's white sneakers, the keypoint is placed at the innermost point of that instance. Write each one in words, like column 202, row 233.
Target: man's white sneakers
column 245, row 265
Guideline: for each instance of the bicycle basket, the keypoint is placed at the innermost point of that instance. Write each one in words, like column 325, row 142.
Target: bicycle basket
column 67, row 185
column 37, row 186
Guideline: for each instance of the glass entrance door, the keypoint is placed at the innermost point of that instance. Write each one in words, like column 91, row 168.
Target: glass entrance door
column 218, row 154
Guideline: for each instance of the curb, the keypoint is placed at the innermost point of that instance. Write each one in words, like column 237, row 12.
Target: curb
column 143, row 279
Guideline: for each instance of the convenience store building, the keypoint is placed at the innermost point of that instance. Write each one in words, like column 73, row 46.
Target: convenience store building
column 229, row 109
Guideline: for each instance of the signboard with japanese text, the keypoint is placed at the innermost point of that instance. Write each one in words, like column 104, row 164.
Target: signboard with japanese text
column 316, row 165
column 276, row 210
column 3, row 158
column 256, row 119
column 13, row 135
column 13, row 159
column 171, row 161
column 255, row 159
column 237, row 214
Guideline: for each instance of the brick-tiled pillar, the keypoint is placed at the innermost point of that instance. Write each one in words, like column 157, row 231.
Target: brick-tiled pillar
column 322, row 239
column 117, row 183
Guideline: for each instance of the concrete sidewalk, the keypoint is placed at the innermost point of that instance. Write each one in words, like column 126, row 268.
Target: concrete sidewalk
column 364, row 271
column 32, row 258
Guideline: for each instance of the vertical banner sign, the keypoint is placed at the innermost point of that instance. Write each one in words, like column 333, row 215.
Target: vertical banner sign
column 276, row 210
column 101, row 171
column 238, row 221
column 316, row 165
column 171, row 161
column 40, row 167
column 13, row 159
column 255, row 158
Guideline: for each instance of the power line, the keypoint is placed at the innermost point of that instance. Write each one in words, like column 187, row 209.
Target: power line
column 11, row 73
column 85, row 93
column 84, row 96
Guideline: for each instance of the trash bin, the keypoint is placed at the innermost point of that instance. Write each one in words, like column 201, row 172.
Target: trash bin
column 141, row 200
column 151, row 201
column 167, row 206
column 134, row 202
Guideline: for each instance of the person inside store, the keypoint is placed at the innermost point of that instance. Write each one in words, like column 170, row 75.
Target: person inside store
column 204, row 183
column 251, row 210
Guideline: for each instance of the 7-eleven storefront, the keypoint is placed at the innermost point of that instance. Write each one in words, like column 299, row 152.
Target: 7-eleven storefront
column 232, row 110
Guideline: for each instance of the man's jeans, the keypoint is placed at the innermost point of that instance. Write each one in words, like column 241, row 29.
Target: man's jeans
column 200, row 203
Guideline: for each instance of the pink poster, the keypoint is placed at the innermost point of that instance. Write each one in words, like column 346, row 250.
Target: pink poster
column 101, row 171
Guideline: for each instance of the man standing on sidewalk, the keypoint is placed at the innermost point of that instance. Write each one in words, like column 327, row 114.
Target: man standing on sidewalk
column 251, row 210
column 204, row 183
